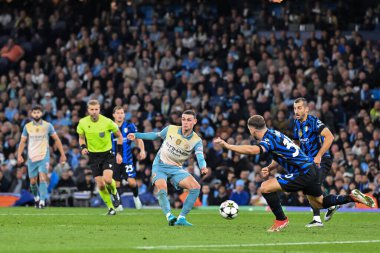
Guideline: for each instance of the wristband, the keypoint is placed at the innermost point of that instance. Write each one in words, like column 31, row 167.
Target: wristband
column 83, row 146
column 119, row 148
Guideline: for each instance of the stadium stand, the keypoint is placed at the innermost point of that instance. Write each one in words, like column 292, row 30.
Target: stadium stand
column 225, row 59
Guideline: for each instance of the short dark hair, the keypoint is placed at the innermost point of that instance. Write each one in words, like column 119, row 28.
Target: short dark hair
column 301, row 99
column 118, row 107
column 257, row 122
column 37, row 107
column 190, row 112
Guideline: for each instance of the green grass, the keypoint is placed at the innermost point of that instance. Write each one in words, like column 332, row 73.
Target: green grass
column 88, row 230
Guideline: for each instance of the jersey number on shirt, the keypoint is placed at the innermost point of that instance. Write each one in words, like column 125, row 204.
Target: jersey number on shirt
column 128, row 168
column 289, row 145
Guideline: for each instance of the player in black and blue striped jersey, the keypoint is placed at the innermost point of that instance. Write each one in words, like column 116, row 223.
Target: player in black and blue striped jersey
column 302, row 173
column 126, row 170
column 315, row 140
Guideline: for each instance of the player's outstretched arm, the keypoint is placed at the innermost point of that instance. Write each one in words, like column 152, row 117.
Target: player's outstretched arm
column 20, row 150
column 149, row 136
column 60, row 147
column 242, row 149
column 141, row 146
column 144, row 136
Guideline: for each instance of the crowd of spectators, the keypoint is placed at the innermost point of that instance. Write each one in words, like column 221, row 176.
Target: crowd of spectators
column 199, row 57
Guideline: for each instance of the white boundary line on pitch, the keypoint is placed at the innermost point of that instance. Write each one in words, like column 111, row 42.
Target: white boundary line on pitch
column 96, row 214
column 176, row 247
column 135, row 213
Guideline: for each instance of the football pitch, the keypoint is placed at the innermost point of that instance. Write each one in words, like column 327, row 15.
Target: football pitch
column 88, row 230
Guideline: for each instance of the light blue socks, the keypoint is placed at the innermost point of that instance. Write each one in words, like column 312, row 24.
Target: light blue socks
column 162, row 196
column 43, row 190
column 189, row 202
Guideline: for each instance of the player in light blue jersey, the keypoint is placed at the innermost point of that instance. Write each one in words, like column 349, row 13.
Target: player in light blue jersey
column 180, row 142
column 126, row 170
column 38, row 132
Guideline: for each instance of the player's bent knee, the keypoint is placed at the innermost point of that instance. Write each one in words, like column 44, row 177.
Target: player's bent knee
column 132, row 183
column 160, row 185
column 316, row 202
column 319, row 202
column 264, row 188
column 102, row 187
column 161, row 191
column 43, row 177
column 108, row 181
column 196, row 185
column 100, row 183
column 316, row 205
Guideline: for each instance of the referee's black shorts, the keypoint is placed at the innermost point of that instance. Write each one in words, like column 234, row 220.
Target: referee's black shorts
column 100, row 161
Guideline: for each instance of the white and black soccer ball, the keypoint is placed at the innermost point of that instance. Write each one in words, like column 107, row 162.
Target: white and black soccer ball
column 229, row 210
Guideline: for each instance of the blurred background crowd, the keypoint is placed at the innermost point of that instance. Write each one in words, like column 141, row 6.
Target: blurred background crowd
column 227, row 60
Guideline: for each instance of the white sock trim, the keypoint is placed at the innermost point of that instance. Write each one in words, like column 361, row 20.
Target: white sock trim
column 317, row 218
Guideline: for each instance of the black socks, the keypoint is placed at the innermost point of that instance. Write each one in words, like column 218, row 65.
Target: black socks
column 275, row 204
column 333, row 200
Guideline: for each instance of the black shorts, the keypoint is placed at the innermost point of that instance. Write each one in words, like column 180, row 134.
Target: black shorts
column 325, row 168
column 101, row 161
column 124, row 171
column 309, row 182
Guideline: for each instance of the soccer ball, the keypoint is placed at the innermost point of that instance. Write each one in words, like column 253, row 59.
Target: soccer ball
column 229, row 210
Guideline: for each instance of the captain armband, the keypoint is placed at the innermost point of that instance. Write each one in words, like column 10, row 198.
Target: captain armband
column 261, row 148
